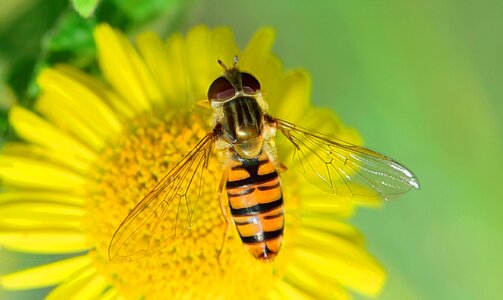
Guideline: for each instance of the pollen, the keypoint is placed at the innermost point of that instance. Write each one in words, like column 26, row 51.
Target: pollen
column 190, row 267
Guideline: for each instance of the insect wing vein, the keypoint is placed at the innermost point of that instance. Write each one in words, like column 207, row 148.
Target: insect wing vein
column 345, row 169
column 169, row 208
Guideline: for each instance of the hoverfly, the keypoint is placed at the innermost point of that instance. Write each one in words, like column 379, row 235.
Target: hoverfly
column 246, row 133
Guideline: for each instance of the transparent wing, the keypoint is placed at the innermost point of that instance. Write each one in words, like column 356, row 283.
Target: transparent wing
column 167, row 211
column 345, row 169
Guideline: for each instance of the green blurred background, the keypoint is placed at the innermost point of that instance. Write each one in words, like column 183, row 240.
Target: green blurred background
column 422, row 82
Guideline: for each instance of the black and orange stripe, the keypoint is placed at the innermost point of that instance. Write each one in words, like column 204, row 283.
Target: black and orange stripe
column 256, row 203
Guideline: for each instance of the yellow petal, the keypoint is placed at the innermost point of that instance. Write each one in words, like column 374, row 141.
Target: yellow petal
column 340, row 260
column 64, row 119
column 110, row 294
column 67, row 161
column 330, row 224
column 93, row 289
column 318, row 286
column 327, row 242
column 36, row 130
column 204, row 48
column 83, row 285
column 24, row 223
column 176, row 53
column 25, row 172
column 45, row 275
column 223, row 45
column 124, row 69
column 201, row 60
column 284, row 290
column 85, row 104
column 326, row 121
column 118, row 106
column 316, row 201
column 201, row 50
column 154, row 53
column 37, row 210
column 42, row 197
column 258, row 49
column 259, row 61
column 292, row 100
column 55, row 241
column 33, row 209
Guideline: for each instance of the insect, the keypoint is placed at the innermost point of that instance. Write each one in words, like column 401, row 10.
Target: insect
column 246, row 133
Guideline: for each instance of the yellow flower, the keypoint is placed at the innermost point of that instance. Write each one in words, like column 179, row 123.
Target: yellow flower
column 92, row 150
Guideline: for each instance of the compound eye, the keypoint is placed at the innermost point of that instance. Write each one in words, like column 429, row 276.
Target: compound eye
column 250, row 83
column 221, row 89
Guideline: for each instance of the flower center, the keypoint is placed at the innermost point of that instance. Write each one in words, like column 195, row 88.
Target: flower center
column 189, row 267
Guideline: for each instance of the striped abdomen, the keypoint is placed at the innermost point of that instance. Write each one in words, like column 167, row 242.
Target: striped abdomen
column 256, row 203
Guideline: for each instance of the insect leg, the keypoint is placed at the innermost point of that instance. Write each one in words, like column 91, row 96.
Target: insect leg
column 270, row 150
column 224, row 212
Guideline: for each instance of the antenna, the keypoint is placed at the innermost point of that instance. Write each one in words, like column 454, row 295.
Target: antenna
column 234, row 63
column 221, row 63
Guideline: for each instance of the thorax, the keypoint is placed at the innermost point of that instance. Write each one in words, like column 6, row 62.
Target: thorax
column 242, row 122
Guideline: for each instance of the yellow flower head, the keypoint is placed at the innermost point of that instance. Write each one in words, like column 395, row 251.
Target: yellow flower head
column 93, row 149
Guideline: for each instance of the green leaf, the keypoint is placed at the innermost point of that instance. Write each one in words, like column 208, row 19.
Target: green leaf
column 7, row 100
column 51, row 31
column 85, row 7
column 5, row 130
column 20, row 42
column 71, row 34
column 70, row 41
column 140, row 10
